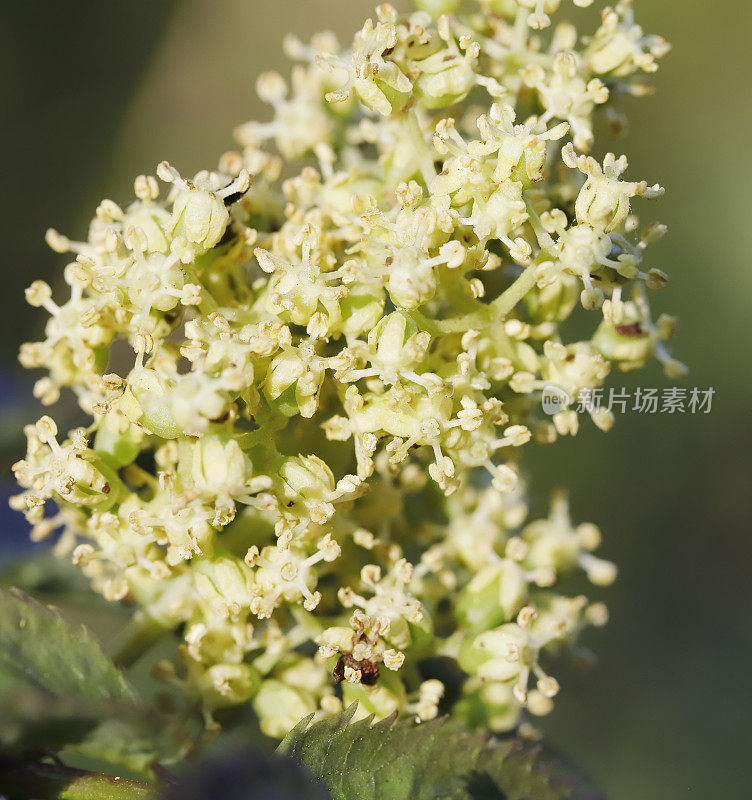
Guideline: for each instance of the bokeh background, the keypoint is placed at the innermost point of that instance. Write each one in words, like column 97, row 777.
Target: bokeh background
column 93, row 93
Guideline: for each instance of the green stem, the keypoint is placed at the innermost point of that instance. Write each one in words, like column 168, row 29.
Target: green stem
column 137, row 638
column 509, row 298
column 440, row 327
column 421, row 148
column 20, row 780
column 485, row 315
column 269, row 424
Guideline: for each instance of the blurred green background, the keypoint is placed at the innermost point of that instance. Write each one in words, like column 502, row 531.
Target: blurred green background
column 93, row 93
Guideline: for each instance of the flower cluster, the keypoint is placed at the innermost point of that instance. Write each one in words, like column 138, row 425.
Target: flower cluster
column 309, row 374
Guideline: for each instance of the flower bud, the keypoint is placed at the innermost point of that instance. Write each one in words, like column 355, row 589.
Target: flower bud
column 201, row 216
column 280, row 707
column 438, row 7
column 224, row 685
column 225, row 584
column 118, row 441
column 494, row 595
column 308, row 477
column 410, row 284
column 628, row 345
column 219, row 467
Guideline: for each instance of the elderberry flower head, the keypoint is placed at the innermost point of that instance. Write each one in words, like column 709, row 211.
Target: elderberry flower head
column 308, row 467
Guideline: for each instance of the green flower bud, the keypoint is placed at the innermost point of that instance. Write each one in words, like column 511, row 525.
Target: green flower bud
column 293, row 382
column 361, row 310
column 627, row 345
column 383, row 699
column 154, row 415
column 386, row 95
column 397, row 341
column 493, row 596
column 487, row 706
column 555, row 301
column 225, row 685
column 280, row 707
column 438, row 7
column 118, row 441
column 444, row 83
column 219, row 467
column 225, row 584
column 308, row 477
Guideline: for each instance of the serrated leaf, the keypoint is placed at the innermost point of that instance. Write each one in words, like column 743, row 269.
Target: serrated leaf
column 56, row 682
column 393, row 760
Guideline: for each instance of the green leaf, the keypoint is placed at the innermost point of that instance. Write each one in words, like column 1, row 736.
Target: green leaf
column 56, row 581
column 393, row 760
column 137, row 744
column 56, row 683
column 21, row 780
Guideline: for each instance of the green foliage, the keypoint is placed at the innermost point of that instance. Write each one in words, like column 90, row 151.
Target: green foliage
column 22, row 780
column 401, row 761
column 136, row 743
column 56, row 683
